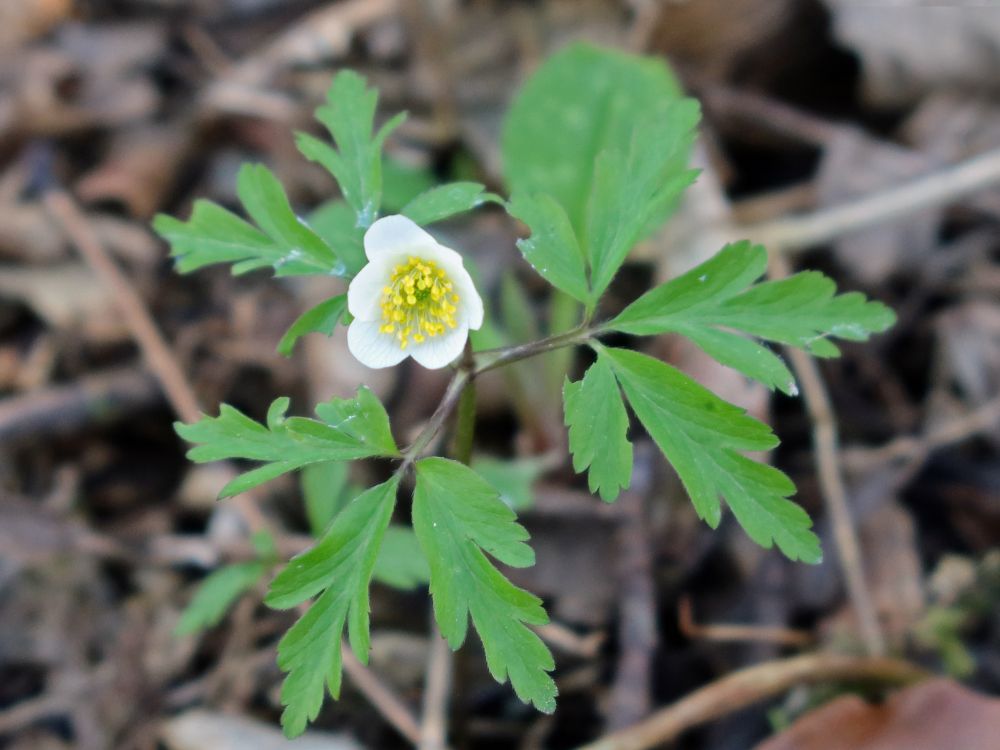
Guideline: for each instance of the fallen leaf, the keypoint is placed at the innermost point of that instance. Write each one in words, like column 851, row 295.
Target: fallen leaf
column 933, row 715
column 909, row 47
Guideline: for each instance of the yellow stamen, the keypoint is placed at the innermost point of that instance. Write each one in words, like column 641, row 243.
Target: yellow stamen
column 418, row 302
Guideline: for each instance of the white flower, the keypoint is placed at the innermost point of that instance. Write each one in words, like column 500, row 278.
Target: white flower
column 414, row 298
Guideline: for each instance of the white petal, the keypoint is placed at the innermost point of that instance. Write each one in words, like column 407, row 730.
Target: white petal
column 443, row 256
column 371, row 347
column 438, row 351
column 396, row 234
column 470, row 304
column 364, row 294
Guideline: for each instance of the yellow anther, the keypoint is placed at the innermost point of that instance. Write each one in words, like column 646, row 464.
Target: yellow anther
column 418, row 302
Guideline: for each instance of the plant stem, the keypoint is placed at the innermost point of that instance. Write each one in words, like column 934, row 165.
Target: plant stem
column 437, row 420
column 472, row 365
column 465, row 424
column 493, row 358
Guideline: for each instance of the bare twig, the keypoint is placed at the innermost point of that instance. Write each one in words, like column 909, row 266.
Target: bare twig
column 747, row 686
column 154, row 347
column 630, row 698
column 64, row 211
column 380, row 696
column 737, row 633
column 559, row 636
column 750, row 109
column 437, row 690
column 916, row 448
column 794, row 233
column 831, row 482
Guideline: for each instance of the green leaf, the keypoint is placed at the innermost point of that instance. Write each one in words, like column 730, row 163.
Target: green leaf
column 512, row 478
column 347, row 429
column 401, row 183
column 552, row 250
column 803, row 310
column 362, row 418
column 636, row 186
column 322, row 318
column 325, row 491
column 340, row 566
column 265, row 201
column 356, row 163
column 335, row 222
column 444, row 201
column 704, row 438
column 580, row 102
column 401, row 563
column 281, row 241
column 214, row 235
column 458, row 518
column 217, row 593
column 598, row 425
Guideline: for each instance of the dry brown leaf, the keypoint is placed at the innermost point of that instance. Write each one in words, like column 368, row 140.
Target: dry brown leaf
column 67, row 296
column 910, row 47
column 28, row 235
column 889, row 544
column 969, row 349
column 934, row 715
column 715, row 35
column 139, row 168
column 86, row 77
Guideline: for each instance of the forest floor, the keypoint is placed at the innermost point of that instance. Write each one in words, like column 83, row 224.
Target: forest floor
column 857, row 139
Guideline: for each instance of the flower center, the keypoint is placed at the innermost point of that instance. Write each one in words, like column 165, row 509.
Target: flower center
column 418, row 303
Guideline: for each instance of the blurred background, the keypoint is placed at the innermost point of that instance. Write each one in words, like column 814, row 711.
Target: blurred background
column 114, row 110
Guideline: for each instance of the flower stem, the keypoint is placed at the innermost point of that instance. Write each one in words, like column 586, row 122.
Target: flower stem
column 465, row 424
column 451, row 397
column 493, row 358
column 461, row 393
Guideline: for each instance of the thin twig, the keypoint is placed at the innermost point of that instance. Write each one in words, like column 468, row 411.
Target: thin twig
column 388, row 704
column 748, row 686
column 63, row 209
column 737, row 633
column 831, row 482
column 630, row 699
column 792, row 233
column 437, row 691
column 910, row 448
column 562, row 638
column 155, row 350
